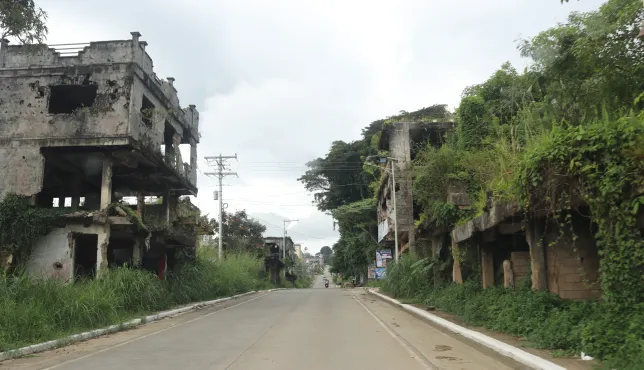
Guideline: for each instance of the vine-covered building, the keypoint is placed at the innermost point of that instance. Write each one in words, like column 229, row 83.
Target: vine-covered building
column 401, row 140
column 84, row 127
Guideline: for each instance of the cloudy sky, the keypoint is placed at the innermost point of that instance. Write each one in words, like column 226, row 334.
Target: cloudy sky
column 277, row 81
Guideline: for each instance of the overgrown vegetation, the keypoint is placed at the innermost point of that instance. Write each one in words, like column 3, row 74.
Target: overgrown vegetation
column 35, row 310
column 541, row 318
column 21, row 225
column 564, row 133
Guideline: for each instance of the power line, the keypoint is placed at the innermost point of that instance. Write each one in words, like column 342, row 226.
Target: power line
column 221, row 163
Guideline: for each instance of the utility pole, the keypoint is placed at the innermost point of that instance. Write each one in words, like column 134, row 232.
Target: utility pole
column 221, row 162
column 286, row 222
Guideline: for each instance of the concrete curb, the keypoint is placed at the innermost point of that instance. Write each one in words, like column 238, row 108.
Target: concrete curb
column 45, row 346
column 523, row 357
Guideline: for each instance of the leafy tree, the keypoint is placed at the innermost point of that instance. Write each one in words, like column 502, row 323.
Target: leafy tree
column 590, row 65
column 23, row 21
column 338, row 178
column 326, row 252
column 242, row 233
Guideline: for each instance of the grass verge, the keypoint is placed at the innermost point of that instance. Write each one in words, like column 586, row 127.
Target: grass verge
column 566, row 327
column 38, row 310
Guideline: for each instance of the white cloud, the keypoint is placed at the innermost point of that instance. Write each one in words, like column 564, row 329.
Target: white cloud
column 278, row 81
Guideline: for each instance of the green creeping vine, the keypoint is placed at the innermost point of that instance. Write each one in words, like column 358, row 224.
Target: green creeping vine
column 22, row 224
column 602, row 164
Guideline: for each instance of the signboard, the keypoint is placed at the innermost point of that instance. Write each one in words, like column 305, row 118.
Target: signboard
column 382, row 256
column 383, row 229
column 381, row 272
column 372, row 271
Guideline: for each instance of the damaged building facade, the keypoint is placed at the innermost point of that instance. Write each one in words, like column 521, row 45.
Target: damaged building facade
column 508, row 244
column 85, row 129
column 402, row 140
column 276, row 259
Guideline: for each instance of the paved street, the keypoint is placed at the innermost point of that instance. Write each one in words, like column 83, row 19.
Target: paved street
column 309, row 329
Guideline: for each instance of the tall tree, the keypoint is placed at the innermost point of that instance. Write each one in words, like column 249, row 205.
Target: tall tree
column 23, row 21
column 326, row 252
column 242, row 233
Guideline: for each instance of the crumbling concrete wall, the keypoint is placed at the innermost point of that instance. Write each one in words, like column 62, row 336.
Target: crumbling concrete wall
column 52, row 256
column 399, row 148
column 573, row 267
column 119, row 73
column 520, row 262
column 26, row 102
column 26, row 165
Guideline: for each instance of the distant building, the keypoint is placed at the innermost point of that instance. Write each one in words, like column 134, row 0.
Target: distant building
column 298, row 250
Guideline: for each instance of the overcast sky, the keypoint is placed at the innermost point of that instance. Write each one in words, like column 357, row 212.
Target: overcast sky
column 277, row 81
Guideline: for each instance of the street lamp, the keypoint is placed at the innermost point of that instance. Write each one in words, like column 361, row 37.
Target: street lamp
column 393, row 191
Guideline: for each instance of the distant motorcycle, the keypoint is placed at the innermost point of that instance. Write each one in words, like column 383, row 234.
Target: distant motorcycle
column 326, row 283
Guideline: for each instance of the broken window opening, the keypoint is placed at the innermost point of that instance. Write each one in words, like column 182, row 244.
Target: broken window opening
column 119, row 252
column 81, row 203
column 147, row 111
column 68, row 202
column 85, row 255
column 56, row 203
column 65, row 99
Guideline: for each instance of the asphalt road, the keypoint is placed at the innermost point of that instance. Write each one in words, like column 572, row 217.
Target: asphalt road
column 308, row 329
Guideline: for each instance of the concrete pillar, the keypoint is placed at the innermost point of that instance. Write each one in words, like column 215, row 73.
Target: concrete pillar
column 137, row 252
column 76, row 193
column 140, row 204
column 101, row 251
column 487, row 268
column 106, row 184
column 508, row 274
column 457, row 275
column 4, row 44
column 534, row 237
column 166, row 206
column 193, row 161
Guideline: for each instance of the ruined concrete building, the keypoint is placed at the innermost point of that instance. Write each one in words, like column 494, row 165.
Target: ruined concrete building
column 402, row 140
column 82, row 130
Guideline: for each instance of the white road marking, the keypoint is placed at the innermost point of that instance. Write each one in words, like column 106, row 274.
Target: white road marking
column 418, row 357
column 148, row 335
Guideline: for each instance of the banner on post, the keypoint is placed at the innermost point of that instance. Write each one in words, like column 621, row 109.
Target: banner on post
column 382, row 256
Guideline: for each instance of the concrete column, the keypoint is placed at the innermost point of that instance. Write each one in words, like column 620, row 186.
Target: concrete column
column 508, row 274
column 140, row 203
column 101, row 252
column 457, row 275
column 487, row 268
column 166, row 206
column 4, row 44
column 193, row 161
column 137, row 252
column 534, row 237
column 106, row 184
column 76, row 193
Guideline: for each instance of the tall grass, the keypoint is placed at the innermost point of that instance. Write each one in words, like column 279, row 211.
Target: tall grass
column 543, row 318
column 35, row 310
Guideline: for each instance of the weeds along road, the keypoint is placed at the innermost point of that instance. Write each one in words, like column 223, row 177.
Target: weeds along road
column 309, row 329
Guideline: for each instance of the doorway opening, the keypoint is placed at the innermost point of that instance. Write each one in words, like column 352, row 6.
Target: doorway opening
column 85, row 256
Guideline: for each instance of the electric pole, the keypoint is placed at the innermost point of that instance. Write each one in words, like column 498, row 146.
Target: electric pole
column 221, row 162
column 286, row 222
